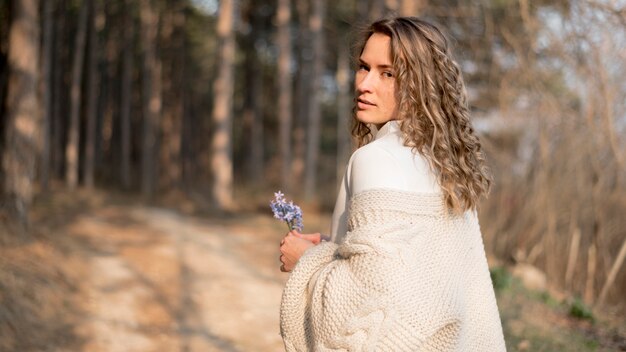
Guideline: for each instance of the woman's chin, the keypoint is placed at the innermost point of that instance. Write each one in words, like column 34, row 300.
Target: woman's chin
column 363, row 117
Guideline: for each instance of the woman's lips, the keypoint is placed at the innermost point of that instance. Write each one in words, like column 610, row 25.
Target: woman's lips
column 364, row 104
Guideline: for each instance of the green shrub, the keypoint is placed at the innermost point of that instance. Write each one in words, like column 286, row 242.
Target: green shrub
column 501, row 278
column 580, row 310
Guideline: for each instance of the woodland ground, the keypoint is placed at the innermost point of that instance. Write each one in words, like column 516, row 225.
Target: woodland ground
column 105, row 272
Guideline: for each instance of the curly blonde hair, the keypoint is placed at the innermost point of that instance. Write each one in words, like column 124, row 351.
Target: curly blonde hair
column 432, row 109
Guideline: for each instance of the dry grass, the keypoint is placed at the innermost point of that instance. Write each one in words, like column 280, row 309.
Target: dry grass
column 560, row 210
column 39, row 280
column 535, row 321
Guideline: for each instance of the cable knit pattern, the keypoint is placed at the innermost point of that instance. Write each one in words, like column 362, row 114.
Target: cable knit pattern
column 410, row 276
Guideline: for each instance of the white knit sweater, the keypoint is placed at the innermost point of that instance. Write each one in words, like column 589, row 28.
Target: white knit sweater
column 400, row 273
column 409, row 276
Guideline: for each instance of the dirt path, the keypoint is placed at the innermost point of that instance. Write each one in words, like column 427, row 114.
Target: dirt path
column 162, row 281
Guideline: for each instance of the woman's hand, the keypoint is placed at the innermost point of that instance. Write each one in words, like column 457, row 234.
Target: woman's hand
column 293, row 245
column 316, row 238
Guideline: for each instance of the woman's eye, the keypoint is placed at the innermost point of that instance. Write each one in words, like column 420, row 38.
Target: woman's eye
column 387, row 74
column 363, row 68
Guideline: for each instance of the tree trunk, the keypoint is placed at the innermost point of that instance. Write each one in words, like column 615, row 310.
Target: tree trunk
column 73, row 142
column 221, row 151
column 412, row 7
column 283, row 17
column 315, row 112
column 187, row 143
column 60, row 58
column 257, row 147
column 393, row 6
column 303, row 89
column 48, row 52
column 377, row 9
column 152, row 96
column 107, row 149
column 344, row 110
column 126, row 97
column 97, row 22
column 188, row 163
column 173, row 37
column 254, row 108
column 22, row 129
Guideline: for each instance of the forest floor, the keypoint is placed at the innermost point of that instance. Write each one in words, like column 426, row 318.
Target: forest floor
column 105, row 272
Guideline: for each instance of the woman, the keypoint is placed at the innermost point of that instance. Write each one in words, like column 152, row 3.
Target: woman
column 405, row 267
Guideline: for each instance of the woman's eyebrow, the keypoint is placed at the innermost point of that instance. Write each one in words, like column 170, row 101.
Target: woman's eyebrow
column 383, row 66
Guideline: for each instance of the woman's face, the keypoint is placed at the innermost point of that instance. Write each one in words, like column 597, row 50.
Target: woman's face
column 375, row 82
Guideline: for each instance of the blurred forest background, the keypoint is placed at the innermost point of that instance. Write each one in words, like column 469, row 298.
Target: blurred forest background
column 224, row 102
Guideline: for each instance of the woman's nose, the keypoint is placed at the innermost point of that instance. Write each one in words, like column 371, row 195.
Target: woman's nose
column 365, row 83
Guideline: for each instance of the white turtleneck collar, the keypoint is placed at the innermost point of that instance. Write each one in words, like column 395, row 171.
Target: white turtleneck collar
column 392, row 126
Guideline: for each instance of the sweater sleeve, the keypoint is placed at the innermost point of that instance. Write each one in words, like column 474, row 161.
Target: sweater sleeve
column 297, row 298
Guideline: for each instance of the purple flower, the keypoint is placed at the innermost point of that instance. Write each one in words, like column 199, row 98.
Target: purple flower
column 287, row 211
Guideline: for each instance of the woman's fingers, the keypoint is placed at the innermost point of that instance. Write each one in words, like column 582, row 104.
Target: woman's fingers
column 293, row 245
column 311, row 237
column 284, row 267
